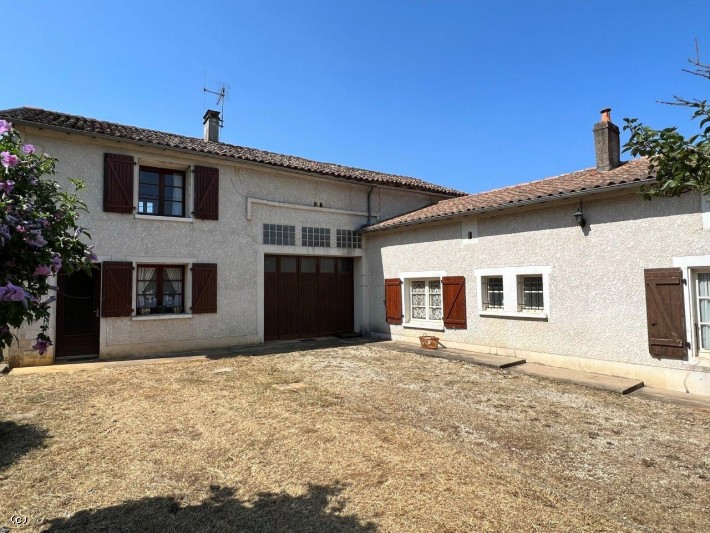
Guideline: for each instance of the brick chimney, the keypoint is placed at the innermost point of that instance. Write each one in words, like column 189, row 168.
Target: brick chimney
column 606, row 142
column 211, row 122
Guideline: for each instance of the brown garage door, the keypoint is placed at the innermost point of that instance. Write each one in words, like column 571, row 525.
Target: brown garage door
column 307, row 296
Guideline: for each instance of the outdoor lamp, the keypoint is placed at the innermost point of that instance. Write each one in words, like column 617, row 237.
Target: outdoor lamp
column 579, row 217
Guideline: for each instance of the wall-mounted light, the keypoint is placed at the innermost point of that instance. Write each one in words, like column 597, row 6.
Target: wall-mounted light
column 579, row 216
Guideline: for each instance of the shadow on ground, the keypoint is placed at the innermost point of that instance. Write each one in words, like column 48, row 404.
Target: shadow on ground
column 318, row 510
column 17, row 440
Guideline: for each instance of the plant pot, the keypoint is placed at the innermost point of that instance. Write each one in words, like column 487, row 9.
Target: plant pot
column 144, row 310
column 177, row 309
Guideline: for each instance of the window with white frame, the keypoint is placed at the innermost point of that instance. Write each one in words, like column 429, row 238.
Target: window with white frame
column 492, row 292
column 514, row 291
column 702, row 302
column 425, row 300
column 530, row 294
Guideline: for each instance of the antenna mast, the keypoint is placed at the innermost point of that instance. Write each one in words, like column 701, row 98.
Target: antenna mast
column 221, row 96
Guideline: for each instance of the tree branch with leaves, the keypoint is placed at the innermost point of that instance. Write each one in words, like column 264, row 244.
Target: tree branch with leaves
column 679, row 164
column 39, row 236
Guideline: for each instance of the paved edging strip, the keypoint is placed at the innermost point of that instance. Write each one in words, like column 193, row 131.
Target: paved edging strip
column 480, row 359
column 588, row 379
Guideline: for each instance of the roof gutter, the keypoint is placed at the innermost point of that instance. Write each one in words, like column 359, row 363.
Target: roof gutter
column 233, row 159
column 561, row 196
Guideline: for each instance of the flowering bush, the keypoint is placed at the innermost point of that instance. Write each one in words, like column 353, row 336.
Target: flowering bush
column 39, row 236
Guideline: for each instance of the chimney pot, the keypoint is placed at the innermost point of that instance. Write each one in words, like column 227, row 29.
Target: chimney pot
column 211, row 123
column 606, row 142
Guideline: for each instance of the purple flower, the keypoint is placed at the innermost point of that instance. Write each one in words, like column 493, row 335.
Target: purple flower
column 4, row 231
column 5, row 126
column 35, row 239
column 28, row 148
column 12, row 293
column 43, row 270
column 20, row 228
column 56, row 263
column 7, row 186
column 41, row 345
column 93, row 257
column 9, row 160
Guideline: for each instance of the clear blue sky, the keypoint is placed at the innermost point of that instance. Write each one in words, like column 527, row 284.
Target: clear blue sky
column 470, row 94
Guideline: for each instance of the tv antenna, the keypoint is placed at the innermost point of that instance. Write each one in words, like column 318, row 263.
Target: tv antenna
column 221, row 97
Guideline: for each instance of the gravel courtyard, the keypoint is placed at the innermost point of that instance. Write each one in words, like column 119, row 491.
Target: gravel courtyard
column 360, row 438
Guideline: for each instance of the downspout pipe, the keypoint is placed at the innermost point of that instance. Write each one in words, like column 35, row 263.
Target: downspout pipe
column 369, row 205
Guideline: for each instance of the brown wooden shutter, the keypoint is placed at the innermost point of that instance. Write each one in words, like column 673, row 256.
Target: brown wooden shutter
column 206, row 193
column 116, row 289
column 454, row 294
column 393, row 300
column 118, row 183
column 665, row 311
column 204, row 288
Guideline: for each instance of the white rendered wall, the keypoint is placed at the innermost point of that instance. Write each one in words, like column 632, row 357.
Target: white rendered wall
column 596, row 291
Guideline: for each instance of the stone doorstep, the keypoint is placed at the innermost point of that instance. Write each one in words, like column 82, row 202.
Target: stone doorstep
column 4, row 368
column 586, row 379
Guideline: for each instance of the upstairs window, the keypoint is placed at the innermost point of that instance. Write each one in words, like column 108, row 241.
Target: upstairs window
column 161, row 192
column 280, row 234
column 346, row 238
column 319, row 237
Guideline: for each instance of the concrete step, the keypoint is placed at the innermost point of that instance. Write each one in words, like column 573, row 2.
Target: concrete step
column 697, row 401
column 4, row 368
column 481, row 359
column 587, row 379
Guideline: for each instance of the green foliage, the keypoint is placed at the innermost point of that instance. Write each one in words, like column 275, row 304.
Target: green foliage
column 679, row 164
column 39, row 236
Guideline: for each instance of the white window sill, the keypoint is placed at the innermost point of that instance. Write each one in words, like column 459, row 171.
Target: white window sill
column 515, row 314
column 164, row 219
column 166, row 316
column 424, row 324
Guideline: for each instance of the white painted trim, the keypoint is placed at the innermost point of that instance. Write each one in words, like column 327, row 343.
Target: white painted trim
column 422, row 274
column 276, row 249
column 516, row 314
column 705, row 210
column 424, row 324
column 161, row 317
column 164, row 219
column 510, row 288
column 407, row 322
column 687, row 264
column 302, row 207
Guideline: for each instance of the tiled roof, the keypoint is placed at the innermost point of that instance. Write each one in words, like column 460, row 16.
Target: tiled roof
column 51, row 119
column 575, row 183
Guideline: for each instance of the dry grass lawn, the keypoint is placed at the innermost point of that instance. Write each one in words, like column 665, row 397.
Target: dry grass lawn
column 348, row 439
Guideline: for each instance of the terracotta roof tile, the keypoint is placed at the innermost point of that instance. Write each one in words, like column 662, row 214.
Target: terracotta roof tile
column 575, row 183
column 51, row 119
